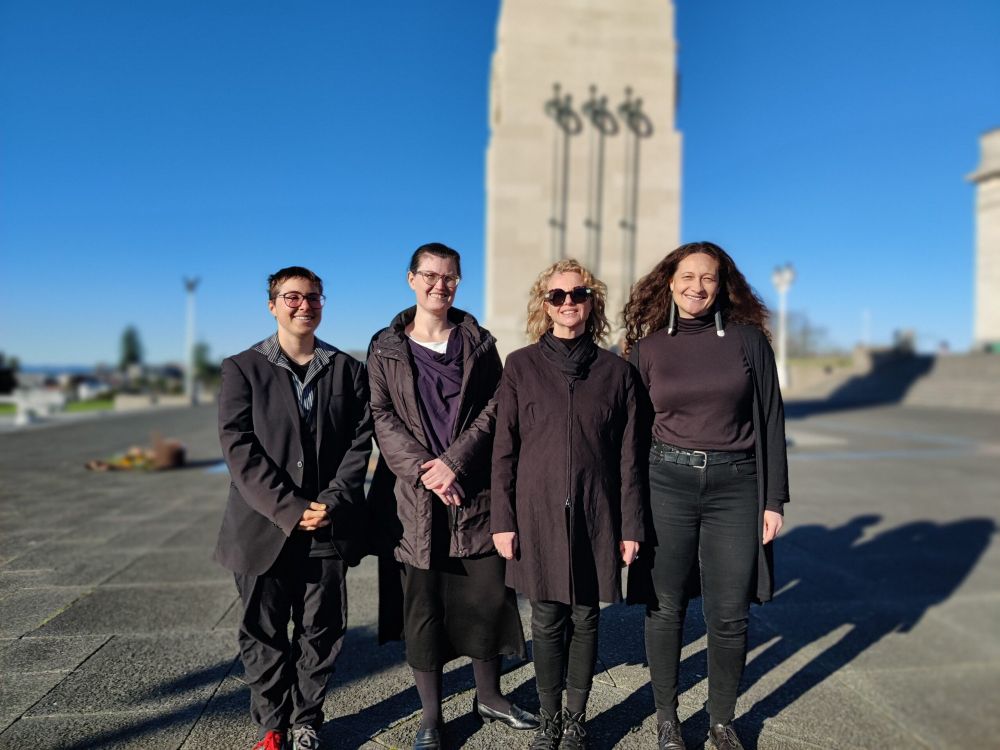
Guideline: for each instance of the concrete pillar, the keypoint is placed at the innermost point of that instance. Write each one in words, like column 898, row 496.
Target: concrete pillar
column 986, row 330
column 577, row 44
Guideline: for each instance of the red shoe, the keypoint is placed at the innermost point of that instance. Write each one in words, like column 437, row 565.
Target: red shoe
column 272, row 741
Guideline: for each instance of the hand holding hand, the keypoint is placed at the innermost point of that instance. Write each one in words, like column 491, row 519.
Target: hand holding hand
column 451, row 496
column 315, row 517
column 506, row 544
column 437, row 477
column 772, row 525
column 629, row 551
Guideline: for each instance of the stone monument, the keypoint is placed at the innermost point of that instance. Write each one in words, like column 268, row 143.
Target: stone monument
column 584, row 160
column 986, row 331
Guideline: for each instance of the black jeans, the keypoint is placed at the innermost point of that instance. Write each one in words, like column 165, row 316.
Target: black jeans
column 564, row 642
column 708, row 518
column 287, row 678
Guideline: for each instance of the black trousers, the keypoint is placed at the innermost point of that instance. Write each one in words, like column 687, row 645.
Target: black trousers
column 707, row 518
column 564, row 647
column 288, row 676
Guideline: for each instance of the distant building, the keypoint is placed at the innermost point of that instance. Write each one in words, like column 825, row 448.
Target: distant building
column 986, row 333
column 584, row 159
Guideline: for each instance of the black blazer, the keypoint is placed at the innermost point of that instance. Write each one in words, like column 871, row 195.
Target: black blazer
column 262, row 446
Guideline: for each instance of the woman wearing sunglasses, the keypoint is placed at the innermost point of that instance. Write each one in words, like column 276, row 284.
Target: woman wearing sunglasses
column 718, row 475
column 433, row 374
column 567, row 487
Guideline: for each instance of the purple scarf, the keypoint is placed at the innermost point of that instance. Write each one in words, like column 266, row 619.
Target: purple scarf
column 439, row 385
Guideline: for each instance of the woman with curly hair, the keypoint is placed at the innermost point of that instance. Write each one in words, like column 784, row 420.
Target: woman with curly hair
column 566, row 506
column 718, row 475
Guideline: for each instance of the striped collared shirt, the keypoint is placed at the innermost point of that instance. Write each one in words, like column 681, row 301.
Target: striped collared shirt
column 305, row 390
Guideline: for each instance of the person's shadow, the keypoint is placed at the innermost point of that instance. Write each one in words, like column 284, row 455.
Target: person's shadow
column 829, row 578
column 826, row 578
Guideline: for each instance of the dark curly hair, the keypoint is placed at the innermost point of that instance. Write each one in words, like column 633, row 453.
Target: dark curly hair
column 649, row 303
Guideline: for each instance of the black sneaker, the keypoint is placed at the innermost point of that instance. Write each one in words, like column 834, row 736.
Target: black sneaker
column 723, row 737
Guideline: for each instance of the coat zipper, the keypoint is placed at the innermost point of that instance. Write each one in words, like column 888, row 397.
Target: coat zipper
column 569, row 488
column 461, row 422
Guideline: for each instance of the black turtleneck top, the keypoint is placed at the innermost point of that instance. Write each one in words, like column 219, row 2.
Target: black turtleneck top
column 700, row 386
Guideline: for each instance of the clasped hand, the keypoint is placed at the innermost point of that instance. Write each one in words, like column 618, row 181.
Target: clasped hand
column 315, row 517
column 441, row 480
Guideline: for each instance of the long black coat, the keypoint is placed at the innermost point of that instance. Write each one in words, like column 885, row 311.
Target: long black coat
column 568, row 475
column 402, row 506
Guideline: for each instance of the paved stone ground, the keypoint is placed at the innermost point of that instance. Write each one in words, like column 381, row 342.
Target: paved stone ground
column 116, row 629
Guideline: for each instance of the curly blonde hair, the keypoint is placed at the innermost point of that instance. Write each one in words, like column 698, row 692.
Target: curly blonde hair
column 538, row 319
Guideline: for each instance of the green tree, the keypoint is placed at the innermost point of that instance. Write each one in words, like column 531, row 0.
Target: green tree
column 8, row 373
column 205, row 368
column 131, row 348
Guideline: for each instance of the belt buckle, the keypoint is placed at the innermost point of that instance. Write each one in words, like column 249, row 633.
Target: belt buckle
column 704, row 456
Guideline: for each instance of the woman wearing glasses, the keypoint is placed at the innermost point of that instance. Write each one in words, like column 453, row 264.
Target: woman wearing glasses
column 567, row 487
column 718, row 475
column 433, row 373
column 296, row 434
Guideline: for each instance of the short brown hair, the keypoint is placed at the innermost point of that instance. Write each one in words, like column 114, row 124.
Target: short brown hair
column 278, row 278
column 539, row 321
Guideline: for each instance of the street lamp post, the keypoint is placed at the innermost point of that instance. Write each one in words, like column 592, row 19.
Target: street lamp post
column 190, row 284
column 782, row 279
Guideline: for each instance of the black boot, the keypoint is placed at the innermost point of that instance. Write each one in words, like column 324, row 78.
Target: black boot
column 723, row 737
column 668, row 736
column 549, row 731
column 573, row 733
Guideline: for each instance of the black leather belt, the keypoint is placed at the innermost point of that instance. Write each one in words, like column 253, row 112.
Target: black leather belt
column 697, row 459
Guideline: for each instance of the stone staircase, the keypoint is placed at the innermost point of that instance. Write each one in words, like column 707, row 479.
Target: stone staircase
column 970, row 381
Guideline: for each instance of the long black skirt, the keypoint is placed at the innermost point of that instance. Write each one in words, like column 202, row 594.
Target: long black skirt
column 461, row 607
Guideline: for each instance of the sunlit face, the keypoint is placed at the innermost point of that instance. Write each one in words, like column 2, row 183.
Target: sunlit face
column 439, row 296
column 302, row 319
column 569, row 319
column 695, row 285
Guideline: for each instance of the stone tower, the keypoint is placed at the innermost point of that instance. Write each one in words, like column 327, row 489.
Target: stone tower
column 584, row 160
column 986, row 332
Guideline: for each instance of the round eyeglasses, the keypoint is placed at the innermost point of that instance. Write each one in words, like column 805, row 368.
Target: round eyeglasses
column 294, row 299
column 450, row 279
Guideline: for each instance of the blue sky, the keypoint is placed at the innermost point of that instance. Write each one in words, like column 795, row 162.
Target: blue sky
column 141, row 142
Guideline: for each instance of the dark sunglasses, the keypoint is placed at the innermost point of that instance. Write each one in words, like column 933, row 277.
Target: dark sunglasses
column 579, row 295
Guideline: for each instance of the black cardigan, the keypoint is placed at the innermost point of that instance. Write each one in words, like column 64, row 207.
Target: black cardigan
column 772, row 461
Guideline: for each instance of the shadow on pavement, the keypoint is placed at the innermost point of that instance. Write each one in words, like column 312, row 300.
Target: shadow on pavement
column 877, row 586
column 184, row 714
column 828, row 578
column 379, row 717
